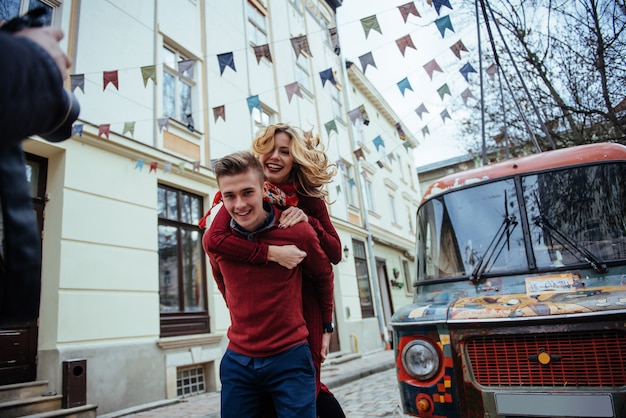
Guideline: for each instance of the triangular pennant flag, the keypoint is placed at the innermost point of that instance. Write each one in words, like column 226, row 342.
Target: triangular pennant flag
column 148, row 72
column 431, row 67
column 364, row 117
column 492, row 70
column 403, row 85
column 439, row 3
column 355, row 114
column 407, row 9
column 139, row 165
column 167, row 167
column 466, row 95
column 334, row 40
column 110, row 77
column 181, row 167
column 444, row 23
column 300, row 45
column 163, row 123
column 421, row 109
column 400, row 131
column 364, row 174
column 196, row 166
column 352, row 182
column 291, row 89
column 445, row 115
column 359, row 153
column 153, row 167
column 253, row 101
column 391, row 157
column 457, row 47
column 331, row 126
column 219, row 112
column 405, row 42
column 370, row 23
column 78, row 129
column 338, row 189
column 78, row 80
column 340, row 163
column 328, row 75
column 408, row 144
column 425, row 131
column 129, row 127
column 466, row 69
column 186, row 66
column 104, row 130
column 380, row 164
column 378, row 142
column 443, row 90
column 261, row 51
column 226, row 60
column 367, row 59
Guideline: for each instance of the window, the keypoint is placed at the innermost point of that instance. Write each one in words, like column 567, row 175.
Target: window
column 257, row 24
column 182, row 279
column 190, row 381
column 408, row 277
column 411, row 175
column 263, row 117
column 410, row 219
column 349, row 184
column 335, row 102
column 302, row 72
column 363, row 279
column 178, row 89
column 392, row 207
column 13, row 8
column 296, row 23
column 369, row 194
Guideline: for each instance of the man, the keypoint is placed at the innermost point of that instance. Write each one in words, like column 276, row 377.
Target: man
column 268, row 352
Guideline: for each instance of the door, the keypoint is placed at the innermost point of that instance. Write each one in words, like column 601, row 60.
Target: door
column 385, row 294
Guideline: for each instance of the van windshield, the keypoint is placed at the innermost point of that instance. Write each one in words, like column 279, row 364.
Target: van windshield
column 573, row 217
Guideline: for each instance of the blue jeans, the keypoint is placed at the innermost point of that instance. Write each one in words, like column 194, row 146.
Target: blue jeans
column 288, row 378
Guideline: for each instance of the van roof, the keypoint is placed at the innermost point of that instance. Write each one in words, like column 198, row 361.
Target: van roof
column 580, row 154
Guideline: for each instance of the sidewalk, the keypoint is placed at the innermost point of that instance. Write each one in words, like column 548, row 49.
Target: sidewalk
column 337, row 371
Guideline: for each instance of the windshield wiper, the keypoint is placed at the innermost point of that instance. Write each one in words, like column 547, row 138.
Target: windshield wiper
column 484, row 261
column 566, row 241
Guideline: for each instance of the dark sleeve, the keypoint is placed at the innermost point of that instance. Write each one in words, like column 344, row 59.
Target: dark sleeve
column 318, row 269
column 220, row 239
column 32, row 99
column 320, row 221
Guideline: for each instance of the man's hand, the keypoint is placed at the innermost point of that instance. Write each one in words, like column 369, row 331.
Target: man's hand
column 325, row 345
column 288, row 256
column 48, row 38
column 291, row 216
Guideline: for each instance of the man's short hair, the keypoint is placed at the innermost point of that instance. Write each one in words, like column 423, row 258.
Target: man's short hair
column 238, row 163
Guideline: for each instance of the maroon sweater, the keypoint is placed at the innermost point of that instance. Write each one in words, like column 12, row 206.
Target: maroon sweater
column 265, row 300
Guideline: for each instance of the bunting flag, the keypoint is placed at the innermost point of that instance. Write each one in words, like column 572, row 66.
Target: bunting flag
column 492, row 70
column 328, row 75
column 403, row 85
column 425, row 131
column 355, row 114
column 167, row 167
column 457, row 47
column 467, row 93
column 110, row 77
column 148, row 72
column 186, row 66
column 261, row 51
column 334, row 40
column 391, row 157
column 364, row 174
column 181, row 167
column 367, row 59
column 431, row 67
column 163, row 123
column 445, row 115
column 407, row 9
column 439, row 3
column 378, row 142
column 196, row 166
column 370, row 23
column 340, row 164
column 139, row 165
column 444, row 23
column 380, row 164
column 226, row 60
column 300, row 45
column 352, row 182
column 338, row 189
column 104, row 130
column 291, row 89
column 253, row 101
column 443, row 90
column 190, row 124
column 78, row 80
column 219, row 112
column 77, row 128
column 129, row 127
column 153, row 167
column 400, row 131
column 359, row 154
column 331, row 126
column 466, row 69
column 364, row 117
column 408, row 144
column 420, row 110
column 405, row 42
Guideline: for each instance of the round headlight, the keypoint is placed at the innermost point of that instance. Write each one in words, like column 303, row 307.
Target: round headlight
column 420, row 359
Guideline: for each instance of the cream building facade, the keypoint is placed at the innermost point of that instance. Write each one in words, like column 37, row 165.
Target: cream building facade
column 167, row 86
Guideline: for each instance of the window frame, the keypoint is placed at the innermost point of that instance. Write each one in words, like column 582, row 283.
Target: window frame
column 254, row 26
column 181, row 115
column 363, row 280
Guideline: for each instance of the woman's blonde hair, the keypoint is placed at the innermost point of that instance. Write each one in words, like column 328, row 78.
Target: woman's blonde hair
column 311, row 169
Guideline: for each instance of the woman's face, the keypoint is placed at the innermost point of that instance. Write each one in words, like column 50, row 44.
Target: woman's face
column 277, row 163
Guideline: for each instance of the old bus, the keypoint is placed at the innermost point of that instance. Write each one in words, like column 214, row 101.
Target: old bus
column 520, row 302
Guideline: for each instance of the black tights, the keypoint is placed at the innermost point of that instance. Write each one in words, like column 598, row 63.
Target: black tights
column 328, row 406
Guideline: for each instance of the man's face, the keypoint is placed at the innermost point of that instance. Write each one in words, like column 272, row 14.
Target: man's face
column 242, row 195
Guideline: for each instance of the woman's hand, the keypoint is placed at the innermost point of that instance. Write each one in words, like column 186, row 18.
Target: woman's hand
column 325, row 345
column 291, row 216
column 288, row 256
